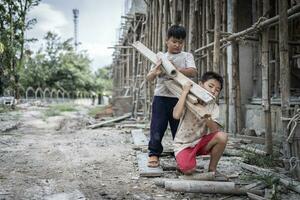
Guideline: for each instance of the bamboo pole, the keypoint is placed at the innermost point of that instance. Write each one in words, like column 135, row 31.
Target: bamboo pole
column 203, row 62
column 216, row 55
column 284, row 71
column 235, row 72
column 174, row 12
column 160, row 22
column 191, row 38
column 165, row 24
column 225, row 68
column 254, row 51
column 208, row 37
column 265, row 82
column 270, row 22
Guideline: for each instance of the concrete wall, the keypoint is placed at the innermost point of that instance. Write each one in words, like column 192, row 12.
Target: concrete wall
column 254, row 120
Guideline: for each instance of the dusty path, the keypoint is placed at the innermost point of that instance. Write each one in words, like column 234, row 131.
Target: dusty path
column 57, row 158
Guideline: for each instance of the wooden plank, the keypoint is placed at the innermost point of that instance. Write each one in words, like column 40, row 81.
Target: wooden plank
column 139, row 137
column 144, row 170
column 196, row 89
column 190, row 97
column 109, row 121
column 197, row 109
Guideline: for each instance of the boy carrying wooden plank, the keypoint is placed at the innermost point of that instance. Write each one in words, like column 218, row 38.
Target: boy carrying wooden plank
column 164, row 101
column 192, row 138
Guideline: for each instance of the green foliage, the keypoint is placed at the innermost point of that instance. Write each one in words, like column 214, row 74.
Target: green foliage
column 50, row 113
column 58, row 66
column 104, row 82
column 253, row 158
column 57, row 109
column 13, row 24
column 65, row 107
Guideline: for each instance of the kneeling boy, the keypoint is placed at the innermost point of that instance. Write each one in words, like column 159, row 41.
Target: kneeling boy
column 192, row 138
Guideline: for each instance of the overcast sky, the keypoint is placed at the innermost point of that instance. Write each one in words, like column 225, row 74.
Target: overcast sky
column 98, row 25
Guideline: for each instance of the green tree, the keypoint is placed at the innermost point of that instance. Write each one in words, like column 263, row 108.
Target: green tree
column 103, row 83
column 58, row 66
column 13, row 24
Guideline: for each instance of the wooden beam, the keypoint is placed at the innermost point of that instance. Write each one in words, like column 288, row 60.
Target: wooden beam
column 197, row 90
column 197, row 109
column 178, row 90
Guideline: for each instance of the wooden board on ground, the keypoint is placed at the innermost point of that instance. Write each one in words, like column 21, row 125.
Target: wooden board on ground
column 139, row 138
column 110, row 121
column 144, row 170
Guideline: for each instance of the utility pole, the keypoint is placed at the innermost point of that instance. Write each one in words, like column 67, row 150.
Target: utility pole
column 75, row 19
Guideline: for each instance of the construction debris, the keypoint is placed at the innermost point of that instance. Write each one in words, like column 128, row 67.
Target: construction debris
column 98, row 125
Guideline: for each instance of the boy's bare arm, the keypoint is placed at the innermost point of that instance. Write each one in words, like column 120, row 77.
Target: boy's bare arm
column 212, row 125
column 179, row 108
column 153, row 73
column 190, row 71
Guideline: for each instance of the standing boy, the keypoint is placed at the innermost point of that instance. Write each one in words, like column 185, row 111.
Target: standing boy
column 192, row 139
column 164, row 101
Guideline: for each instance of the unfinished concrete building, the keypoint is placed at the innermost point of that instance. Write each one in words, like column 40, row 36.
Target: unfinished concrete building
column 253, row 44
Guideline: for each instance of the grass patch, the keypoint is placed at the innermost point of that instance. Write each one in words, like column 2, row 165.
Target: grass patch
column 94, row 110
column 269, row 180
column 51, row 112
column 253, row 158
column 64, row 107
column 4, row 109
column 57, row 109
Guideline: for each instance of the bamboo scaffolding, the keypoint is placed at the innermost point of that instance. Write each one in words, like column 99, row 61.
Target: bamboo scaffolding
column 255, row 27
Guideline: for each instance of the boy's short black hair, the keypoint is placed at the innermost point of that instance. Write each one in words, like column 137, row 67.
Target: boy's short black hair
column 212, row 75
column 177, row 32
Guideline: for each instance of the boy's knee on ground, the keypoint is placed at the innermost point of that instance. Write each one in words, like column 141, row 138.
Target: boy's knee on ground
column 185, row 164
column 187, row 168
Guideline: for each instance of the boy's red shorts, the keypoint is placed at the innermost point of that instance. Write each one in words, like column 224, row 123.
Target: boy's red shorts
column 186, row 158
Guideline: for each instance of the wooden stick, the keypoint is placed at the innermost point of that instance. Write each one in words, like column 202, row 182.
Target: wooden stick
column 109, row 121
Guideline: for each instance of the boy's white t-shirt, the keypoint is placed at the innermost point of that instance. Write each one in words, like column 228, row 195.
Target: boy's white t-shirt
column 180, row 60
column 191, row 129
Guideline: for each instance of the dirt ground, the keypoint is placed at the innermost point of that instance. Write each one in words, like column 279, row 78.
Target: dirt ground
column 58, row 158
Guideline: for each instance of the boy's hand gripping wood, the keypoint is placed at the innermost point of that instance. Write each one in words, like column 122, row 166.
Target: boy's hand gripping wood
column 197, row 90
